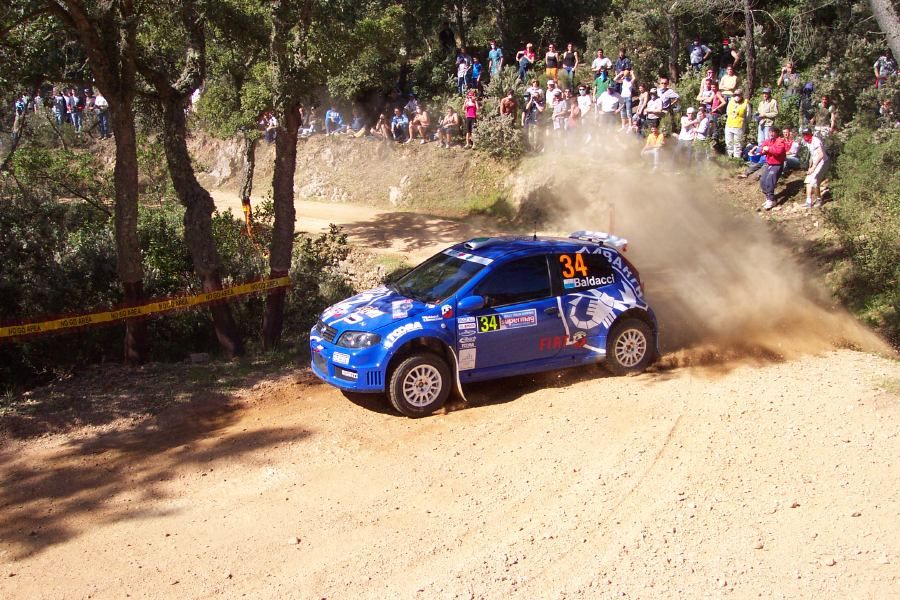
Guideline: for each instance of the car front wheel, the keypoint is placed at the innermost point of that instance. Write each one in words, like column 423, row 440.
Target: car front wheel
column 629, row 347
column 420, row 385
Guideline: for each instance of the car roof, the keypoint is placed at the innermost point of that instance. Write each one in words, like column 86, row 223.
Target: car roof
column 496, row 247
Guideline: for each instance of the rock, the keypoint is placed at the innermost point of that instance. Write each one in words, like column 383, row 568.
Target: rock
column 227, row 575
column 830, row 562
column 758, row 545
column 856, row 514
column 198, row 358
column 293, row 541
column 795, row 504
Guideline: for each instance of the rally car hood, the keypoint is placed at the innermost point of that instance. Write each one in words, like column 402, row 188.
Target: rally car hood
column 372, row 310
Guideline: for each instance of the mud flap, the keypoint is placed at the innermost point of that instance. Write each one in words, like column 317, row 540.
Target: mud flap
column 458, row 387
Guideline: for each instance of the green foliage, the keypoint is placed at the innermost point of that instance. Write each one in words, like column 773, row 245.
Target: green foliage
column 372, row 58
column 315, row 280
column 866, row 216
column 507, row 79
column 497, row 136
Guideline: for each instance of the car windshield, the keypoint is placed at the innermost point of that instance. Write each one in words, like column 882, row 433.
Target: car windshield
column 437, row 278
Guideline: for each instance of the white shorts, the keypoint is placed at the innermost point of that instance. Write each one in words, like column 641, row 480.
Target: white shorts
column 816, row 177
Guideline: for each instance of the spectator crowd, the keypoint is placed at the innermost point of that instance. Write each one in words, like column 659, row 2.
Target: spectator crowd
column 581, row 101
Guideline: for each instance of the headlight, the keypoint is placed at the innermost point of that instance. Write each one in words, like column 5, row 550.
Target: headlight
column 358, row 339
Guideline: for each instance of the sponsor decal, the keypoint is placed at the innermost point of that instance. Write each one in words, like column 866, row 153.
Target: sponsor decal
column 466, row 320
column 447, row 311
column 467, row 359
column 341, row 358
column 369, row 311
column 431, row 318
column 509, row 320
column 593, row 308
column 466, row 345
column 469, row 339
column 465, row 326
column 469, row 257
column 396, row 334
column 352, row 319
column 592, row 281
column 558, row 342
column 400, row 308
column 348, row 374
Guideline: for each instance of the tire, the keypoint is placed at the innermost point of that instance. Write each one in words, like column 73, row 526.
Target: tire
column 419, row 385
column 630, row 347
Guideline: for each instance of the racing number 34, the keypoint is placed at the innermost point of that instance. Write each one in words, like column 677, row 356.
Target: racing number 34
column 488, row 323
column 569, row 268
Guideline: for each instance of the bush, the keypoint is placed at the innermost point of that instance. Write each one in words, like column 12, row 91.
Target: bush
column 497, row 136
column 866, row 216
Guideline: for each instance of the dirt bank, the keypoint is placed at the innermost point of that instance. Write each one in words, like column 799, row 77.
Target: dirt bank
column 446, row 182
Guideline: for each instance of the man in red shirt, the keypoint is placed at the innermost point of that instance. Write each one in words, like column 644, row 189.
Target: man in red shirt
column 775, row 150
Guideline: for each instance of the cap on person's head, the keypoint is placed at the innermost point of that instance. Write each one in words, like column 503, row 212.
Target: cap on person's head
column 807, row 131
column 767, row 90
column 691, row 110
column 739, row 92
column 726, row 42
column 652, row 90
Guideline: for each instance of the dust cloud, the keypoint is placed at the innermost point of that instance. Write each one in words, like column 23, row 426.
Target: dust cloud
column 724, row 289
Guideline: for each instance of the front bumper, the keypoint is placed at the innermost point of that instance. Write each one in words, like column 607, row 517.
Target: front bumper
column 358, row 370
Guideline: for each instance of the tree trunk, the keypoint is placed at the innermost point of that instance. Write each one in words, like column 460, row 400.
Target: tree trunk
column 458, row 10
column 250, row 142
column 886, row 15
column 751, row 50
column 674, row 46
column 199, row 207
column 110, row 42
column 283, row 227
column 128, row 248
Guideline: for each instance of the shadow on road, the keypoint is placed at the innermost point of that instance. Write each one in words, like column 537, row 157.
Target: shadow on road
column 109, row 476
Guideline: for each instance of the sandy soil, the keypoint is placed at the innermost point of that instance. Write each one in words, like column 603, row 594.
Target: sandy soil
column 413, row 235
column 771, row 480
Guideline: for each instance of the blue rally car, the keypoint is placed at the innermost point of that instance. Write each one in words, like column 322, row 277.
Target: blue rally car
column 488, row 308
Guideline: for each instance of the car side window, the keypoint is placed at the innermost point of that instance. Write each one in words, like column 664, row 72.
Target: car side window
column 582, row 271
column 517, row 281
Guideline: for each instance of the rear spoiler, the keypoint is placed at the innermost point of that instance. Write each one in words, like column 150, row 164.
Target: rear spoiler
column 601, row 237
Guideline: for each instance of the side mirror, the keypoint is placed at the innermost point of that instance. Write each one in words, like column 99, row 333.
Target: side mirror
column 470, row 304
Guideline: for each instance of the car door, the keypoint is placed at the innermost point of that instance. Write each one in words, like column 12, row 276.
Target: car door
column 519, row 322
column 591, row 300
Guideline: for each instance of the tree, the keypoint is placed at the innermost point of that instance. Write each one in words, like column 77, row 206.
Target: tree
column 171, row 93
column 108, row 33
column 886, row 15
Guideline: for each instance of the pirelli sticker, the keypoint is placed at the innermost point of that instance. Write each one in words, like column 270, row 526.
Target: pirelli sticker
column 160, row 306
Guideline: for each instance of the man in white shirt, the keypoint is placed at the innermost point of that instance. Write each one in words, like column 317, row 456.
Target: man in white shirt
column 818, row 166
column 609, row 103
column 600, row 63
column 685, row 147
column 101, row 107
column 584, row 101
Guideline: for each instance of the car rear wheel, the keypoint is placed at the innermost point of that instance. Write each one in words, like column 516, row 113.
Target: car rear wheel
column 420, row 385
column 629, row 347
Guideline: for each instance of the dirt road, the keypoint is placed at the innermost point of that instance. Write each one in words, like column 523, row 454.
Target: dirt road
column 412, row 235
column 759, row 480
column 771, row 471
